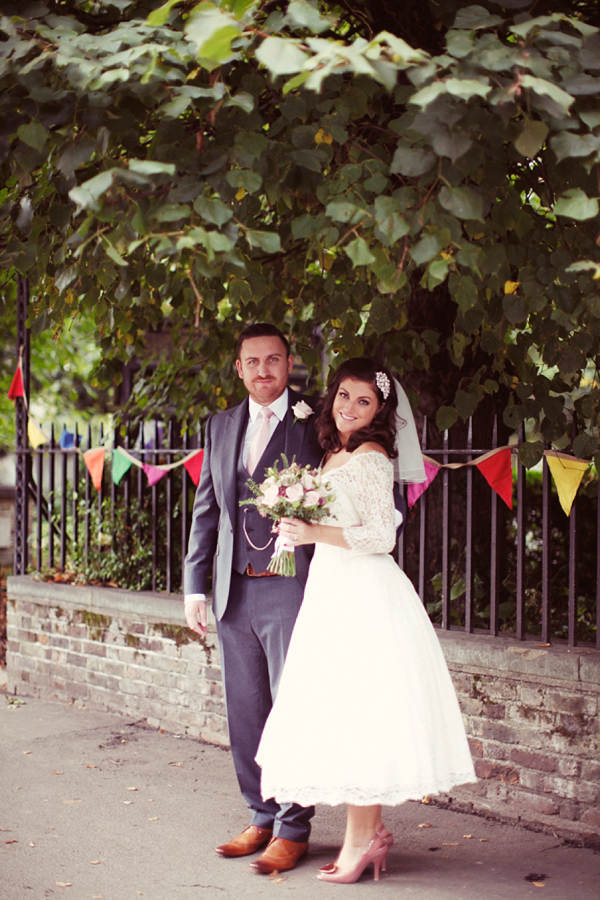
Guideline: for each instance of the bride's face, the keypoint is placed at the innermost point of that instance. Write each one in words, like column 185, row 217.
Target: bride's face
column 354, row 407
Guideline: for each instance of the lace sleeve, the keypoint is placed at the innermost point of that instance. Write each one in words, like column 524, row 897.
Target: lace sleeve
column 370, row 480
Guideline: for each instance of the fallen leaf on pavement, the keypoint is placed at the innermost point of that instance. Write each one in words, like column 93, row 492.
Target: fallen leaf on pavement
column 64, row 883
column 91, row 767
column 95, row 862
column 426, row 800
column 450, row 844
column 26, row 752
column 13, row 841
column 153, row 819
column 127, row 802
column 467, row 837
column 132, row 789
column 538, row 884
column 425, row 825
column 59, row 773
column 175, row 764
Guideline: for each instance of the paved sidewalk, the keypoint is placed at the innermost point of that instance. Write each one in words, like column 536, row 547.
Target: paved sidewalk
column 98, row 806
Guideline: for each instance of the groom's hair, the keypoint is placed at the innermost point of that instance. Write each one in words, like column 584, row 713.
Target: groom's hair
column 261, row 329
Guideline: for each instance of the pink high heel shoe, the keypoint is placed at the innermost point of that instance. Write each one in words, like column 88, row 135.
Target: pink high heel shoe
column 375, row 852
column 382, row 833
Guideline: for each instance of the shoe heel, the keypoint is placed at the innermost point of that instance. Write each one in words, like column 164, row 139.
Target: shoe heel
column 379, row 864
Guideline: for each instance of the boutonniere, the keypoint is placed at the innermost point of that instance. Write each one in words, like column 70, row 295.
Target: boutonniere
column 301, row 411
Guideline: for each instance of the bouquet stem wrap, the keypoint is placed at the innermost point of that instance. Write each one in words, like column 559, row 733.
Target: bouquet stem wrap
column 283, row 561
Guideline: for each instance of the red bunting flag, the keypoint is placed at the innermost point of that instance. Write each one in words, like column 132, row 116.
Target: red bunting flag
column 497, row 471
column 16, row 388
column 194, row 466
column 153, row 473
column 94, row 460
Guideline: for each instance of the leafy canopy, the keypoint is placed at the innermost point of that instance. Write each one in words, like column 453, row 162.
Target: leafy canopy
column 206, row 164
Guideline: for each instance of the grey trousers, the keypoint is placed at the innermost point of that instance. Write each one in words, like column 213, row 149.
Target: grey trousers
column 254, row 635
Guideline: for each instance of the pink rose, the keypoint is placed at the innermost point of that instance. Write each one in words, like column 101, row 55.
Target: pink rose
column 294, row 492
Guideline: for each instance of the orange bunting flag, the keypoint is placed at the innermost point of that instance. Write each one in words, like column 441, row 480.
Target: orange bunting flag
column 497, row 471
column 94, row 460
column 16, row 388
column 193, row 466
column 153, row 473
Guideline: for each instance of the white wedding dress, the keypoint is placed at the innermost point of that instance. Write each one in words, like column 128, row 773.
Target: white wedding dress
column 366, row 712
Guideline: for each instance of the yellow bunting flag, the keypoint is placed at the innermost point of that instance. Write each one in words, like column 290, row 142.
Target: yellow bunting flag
column 36, row 435
column 567, row 473
column 94, row 460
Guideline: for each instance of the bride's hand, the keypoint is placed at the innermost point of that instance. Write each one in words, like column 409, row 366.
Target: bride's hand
column 295, row 532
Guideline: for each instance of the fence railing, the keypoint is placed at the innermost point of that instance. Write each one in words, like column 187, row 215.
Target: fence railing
column 530, row 572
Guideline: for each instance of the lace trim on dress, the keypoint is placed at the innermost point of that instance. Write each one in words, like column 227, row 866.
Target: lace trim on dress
column 369, row 477
column 391, row 796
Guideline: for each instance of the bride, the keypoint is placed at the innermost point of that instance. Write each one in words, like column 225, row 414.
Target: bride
column 366, row 713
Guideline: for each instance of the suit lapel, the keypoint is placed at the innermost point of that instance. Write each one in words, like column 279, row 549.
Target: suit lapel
column 295, row 431
column 233, row 434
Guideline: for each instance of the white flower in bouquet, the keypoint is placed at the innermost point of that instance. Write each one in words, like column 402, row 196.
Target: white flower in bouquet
column 296, row 491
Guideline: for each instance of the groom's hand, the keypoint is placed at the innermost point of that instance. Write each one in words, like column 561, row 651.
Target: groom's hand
column 195, row 613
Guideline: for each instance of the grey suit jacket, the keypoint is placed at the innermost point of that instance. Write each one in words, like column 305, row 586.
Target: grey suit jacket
column 210, row 544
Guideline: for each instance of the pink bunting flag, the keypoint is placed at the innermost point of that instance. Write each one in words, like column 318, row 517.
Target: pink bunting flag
column 414, row 491
column 194, row 466
column 497, row 471
column 153, row 473
column 16, row 388
column 94, row 460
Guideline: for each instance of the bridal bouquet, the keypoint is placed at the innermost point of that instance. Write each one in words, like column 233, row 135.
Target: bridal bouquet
column 296, row 491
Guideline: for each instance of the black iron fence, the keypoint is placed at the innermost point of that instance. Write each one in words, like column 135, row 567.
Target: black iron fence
column 530, row 572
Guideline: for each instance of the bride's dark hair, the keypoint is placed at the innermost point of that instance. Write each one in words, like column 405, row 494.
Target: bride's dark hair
column 382, row 429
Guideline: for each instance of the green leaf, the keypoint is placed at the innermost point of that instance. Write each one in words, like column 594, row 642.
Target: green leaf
column 240, row 292
column 244, row 178
column 567, row 144
column 446, row 417
column 463, row 202
column 548, row 89
column 301, row 14
column 160, row 16
column 151, row 167
column 213, row 210
column 87, row 194
column 33, row 134
column 113, row 252
column 359, row 253
column 412, row 161
column 532, row 137
column 515, row 308
column 281, row 56
column 266, row 240
column 575, row 204
column 585, row 445
column 530, row 453
column 342, row 211
column 425, row 249
column 474, row 17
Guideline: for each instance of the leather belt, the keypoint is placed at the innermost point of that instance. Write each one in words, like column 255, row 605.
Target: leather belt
column 250, row 571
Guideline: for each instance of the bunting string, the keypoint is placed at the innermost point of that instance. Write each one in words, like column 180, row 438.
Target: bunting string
column 495, row 465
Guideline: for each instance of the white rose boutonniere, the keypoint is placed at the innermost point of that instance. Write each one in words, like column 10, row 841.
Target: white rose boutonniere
column 302, row 411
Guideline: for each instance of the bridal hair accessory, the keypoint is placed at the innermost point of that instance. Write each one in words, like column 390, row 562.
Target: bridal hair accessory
column 383, row 383
column 408, row 465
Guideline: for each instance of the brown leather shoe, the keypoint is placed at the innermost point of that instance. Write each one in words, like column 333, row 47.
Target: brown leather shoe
column 249, row 841
column 279, row 856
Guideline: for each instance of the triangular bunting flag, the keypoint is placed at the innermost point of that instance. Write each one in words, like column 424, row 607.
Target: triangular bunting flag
column 414, row 491
column 36, row 435
column 16, row 388
column 567, row 474
column 497, row 471
column 193, row 466
column 66, row 440
column 120, row 465
column 94, row 460
column 153, row 473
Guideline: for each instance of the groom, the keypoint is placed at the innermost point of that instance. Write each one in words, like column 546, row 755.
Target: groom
column 254, row 610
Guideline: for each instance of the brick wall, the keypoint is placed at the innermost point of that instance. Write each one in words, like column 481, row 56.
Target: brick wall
column 531, row 712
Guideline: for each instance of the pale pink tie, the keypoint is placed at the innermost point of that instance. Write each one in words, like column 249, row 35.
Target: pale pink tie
column 260, row 439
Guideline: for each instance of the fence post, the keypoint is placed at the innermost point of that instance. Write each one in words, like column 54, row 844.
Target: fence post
column 23, row 467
